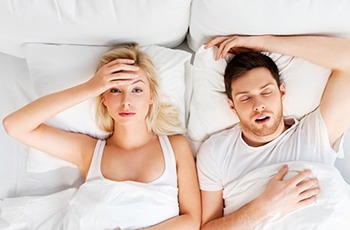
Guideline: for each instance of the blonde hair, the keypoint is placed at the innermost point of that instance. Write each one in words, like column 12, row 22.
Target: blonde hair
column 162, row 117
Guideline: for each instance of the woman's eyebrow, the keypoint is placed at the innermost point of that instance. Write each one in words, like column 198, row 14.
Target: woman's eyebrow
column 137, row 81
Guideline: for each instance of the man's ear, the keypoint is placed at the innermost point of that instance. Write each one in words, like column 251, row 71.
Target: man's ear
column 231, row 104
column 282, row 90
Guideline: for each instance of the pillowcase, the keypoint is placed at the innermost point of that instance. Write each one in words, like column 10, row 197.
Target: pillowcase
column 209, row 109
column 14, row 93
column 57, row 67
column 93, row 22
column 210, row 18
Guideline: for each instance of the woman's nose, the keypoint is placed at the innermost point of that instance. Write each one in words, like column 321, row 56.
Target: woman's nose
column 126, row 100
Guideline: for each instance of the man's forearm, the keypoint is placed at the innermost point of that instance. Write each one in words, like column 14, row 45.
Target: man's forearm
column 247, row 217
column 330, row 52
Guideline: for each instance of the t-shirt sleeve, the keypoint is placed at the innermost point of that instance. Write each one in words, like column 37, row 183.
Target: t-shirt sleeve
column 314, row 125
column 208, row 170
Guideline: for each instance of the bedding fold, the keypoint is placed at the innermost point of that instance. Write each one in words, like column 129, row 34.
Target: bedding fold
column 104, row 204
column 37, row 212
column 95, row 205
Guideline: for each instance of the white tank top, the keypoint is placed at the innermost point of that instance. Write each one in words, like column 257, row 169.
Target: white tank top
column 169, row 176
column 106, row 204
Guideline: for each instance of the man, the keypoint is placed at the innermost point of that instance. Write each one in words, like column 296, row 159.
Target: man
column 263, row 137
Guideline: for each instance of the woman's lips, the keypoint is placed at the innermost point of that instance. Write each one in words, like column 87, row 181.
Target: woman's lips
column 127, row 114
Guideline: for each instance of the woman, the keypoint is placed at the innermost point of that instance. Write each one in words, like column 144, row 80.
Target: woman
column 144, row 154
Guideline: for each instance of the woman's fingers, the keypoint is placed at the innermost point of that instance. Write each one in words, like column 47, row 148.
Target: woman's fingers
column 120, row 61
column 119, row 65
column 113, row 74
column 122, row 67
column 119, row 69
column 123, row 76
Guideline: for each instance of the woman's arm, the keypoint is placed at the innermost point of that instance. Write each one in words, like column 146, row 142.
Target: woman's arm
column 26, row 124
column 189, row 195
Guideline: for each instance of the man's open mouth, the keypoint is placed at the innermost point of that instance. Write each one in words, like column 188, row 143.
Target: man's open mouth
column 262, row 119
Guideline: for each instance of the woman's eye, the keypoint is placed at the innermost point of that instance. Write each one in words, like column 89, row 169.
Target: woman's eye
column 114, row 91
column 137, row 91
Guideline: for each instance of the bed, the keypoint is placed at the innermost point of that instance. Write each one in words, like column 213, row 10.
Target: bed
column 48, row 45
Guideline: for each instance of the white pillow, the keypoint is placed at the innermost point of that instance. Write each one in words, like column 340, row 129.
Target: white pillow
column 209, row 110
column 251, row 17
column 93, row 22
column 56, row 67
column 13, row 94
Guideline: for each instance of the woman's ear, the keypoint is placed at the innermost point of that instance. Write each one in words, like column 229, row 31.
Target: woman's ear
column 103, row 100
column 231, row 104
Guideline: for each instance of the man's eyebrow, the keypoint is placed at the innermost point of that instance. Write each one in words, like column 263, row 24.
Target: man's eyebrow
column 140, row 80
column 262, row 87
column 242, row 92
column 268, row 84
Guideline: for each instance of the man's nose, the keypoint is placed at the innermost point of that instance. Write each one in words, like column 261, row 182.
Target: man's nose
column 259, row 106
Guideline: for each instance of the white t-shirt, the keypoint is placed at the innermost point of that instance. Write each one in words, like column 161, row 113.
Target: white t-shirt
column 225, row 156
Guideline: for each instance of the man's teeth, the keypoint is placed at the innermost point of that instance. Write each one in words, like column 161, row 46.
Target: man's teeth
column 262, row 118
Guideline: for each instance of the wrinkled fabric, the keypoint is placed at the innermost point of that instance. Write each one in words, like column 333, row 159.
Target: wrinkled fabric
column 330, row 210
column 127, row 205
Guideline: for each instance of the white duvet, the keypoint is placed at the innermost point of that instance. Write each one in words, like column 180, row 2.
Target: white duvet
column 105, row 204
column 331, row 210
column 100, row 205
column 95, row 205
column 43, row 212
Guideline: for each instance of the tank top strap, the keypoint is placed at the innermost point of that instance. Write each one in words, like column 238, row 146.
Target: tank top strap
column 169, row 176
column 95, row 166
